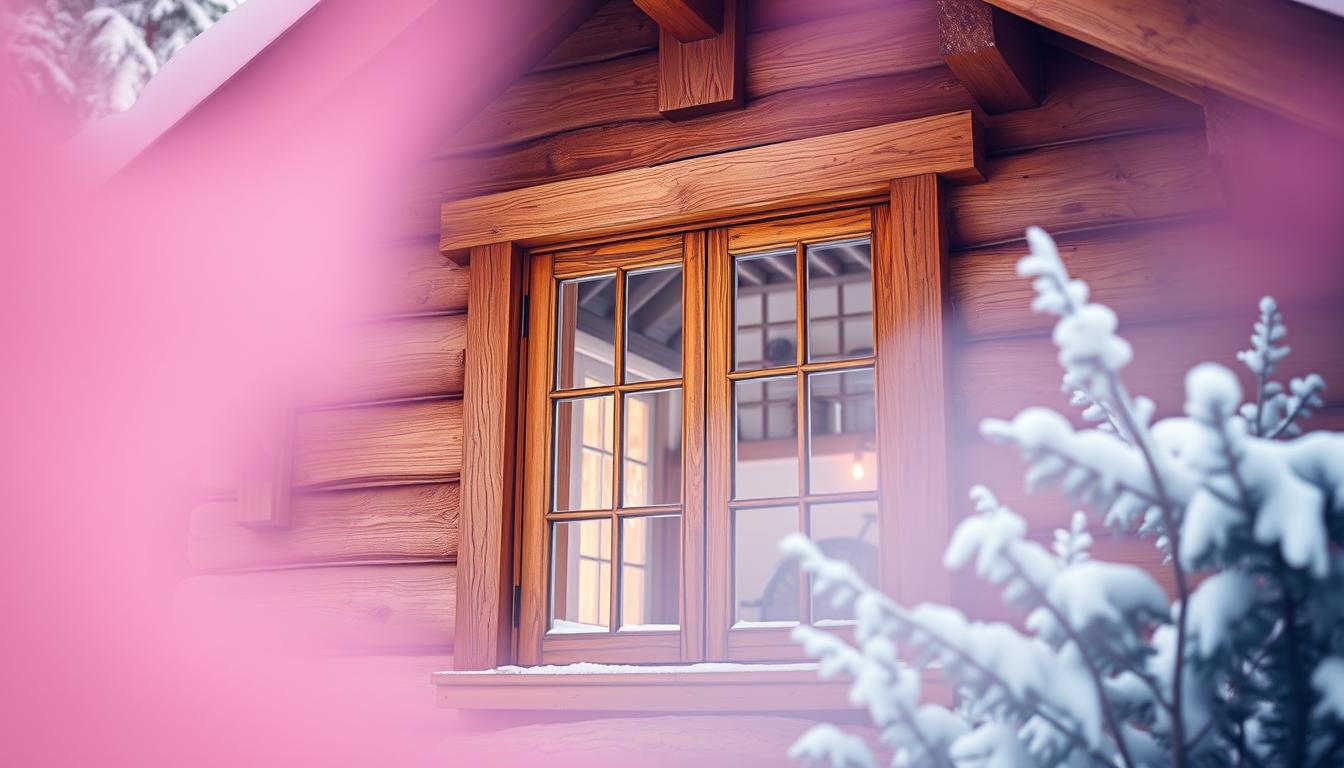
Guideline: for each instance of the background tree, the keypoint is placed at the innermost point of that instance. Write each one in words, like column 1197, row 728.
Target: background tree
column 1243, row 666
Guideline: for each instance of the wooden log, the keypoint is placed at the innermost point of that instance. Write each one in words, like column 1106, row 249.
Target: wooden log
column 999, row 377
column 404, row 523
column 416, row 442
column 1084, row 100
column 883, row 41
column 1079, row 186
column 1282, row 57
column 786, row 116
column 1146, row 273
column 702, row 70
column 340, row 607
column 423, row 281
column 820, row 170
column 402, row 358
column 618, row 29
column 994, row 54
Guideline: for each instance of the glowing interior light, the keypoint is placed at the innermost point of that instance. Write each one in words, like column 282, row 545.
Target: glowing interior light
column 856, row 471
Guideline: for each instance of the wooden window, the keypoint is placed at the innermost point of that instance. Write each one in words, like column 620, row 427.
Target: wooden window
column 811, row 296
column 633, row 553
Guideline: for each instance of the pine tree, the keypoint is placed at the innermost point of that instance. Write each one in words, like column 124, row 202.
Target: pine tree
column 95, row 56
column 1245, row 666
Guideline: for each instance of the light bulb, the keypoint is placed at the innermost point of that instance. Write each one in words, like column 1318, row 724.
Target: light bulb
column 856, row 471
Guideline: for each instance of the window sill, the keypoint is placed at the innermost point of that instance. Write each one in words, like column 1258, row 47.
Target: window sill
column 688, row 688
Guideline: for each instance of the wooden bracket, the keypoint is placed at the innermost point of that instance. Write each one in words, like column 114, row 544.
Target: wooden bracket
column 993, row 53
column 705, row 74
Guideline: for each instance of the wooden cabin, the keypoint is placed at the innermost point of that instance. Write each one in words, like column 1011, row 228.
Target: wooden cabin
column 709, row 272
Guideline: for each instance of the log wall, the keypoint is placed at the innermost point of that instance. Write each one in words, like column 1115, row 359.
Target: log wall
column 1115, row 168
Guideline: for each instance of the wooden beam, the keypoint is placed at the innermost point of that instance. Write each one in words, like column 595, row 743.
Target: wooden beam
column 494, row 315
column 394, row 444
column 820, row 170
column 911, row 268
column 1283, row 57
column 686, row 20
column 1123, row 66
column 993, row 53
column 705, row 74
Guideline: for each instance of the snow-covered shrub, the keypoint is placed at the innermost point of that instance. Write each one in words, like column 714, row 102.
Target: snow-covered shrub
column 1245, row 666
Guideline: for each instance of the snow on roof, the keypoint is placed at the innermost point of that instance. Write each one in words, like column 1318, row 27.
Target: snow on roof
column 1329, row 6
column 198, row 70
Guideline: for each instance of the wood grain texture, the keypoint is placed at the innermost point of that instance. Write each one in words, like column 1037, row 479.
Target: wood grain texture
column 823, row 169
column 1089, row 184
column 1084, row 100
column 406, row 523
column 910, row 277
column 1282, row 57
column 793, row 114
column 898, row 38
column 401, row 358
column 686, row 20
column 490, row 409
column 423, row 281
column 994, row 54
column 1147, row 272
column 701, row 74
column 999, row 377
column 413, row 442
column 619, row 28
column 337, row 608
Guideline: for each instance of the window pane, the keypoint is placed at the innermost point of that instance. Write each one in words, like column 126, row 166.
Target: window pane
column 765, row 584
column 765, row 438
column 845, row 267
column 842, row 439
column 765, row 311
column 580, row 576
column 653, row 324
column 650, row 572
column 652, row 448
column 584, row 453
column 845, row 532
column 585, row 332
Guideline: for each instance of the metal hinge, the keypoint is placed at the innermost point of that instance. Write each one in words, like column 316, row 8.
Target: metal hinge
column 523, row 313
column 517, row 603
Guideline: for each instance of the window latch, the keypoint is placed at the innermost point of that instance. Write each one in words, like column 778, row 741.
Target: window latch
column 517, row 603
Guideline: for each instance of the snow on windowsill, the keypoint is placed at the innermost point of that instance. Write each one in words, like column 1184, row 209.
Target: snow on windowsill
column 591, row 668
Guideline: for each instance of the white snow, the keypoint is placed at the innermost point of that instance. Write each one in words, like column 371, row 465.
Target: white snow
column 828, row 745
column 650, row 627
column 1328, row 680
column 592, row 668
column 1215, row 608
column 567, row 627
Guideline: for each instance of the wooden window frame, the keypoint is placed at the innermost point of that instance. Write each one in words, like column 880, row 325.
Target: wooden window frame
column 903, row 163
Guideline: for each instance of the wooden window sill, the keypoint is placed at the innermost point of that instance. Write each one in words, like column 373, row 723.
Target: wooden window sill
column 656, row 689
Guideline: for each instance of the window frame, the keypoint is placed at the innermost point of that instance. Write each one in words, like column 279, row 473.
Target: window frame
column 906, row 163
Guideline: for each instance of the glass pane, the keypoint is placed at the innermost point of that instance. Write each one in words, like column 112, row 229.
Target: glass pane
column 842, row 434
column 765, row 438
column 765, row 311
column 765, row 584
column 650, row 572
column 585, row 332
column 580, row 576
column 839, row 300
column 652, row 448
column 584, row 454
column 845, row 532
column 653, row 324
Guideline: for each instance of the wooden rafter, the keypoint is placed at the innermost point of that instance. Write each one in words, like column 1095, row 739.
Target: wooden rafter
column 686, row 20
column 993, row 53
column 1282, row 57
